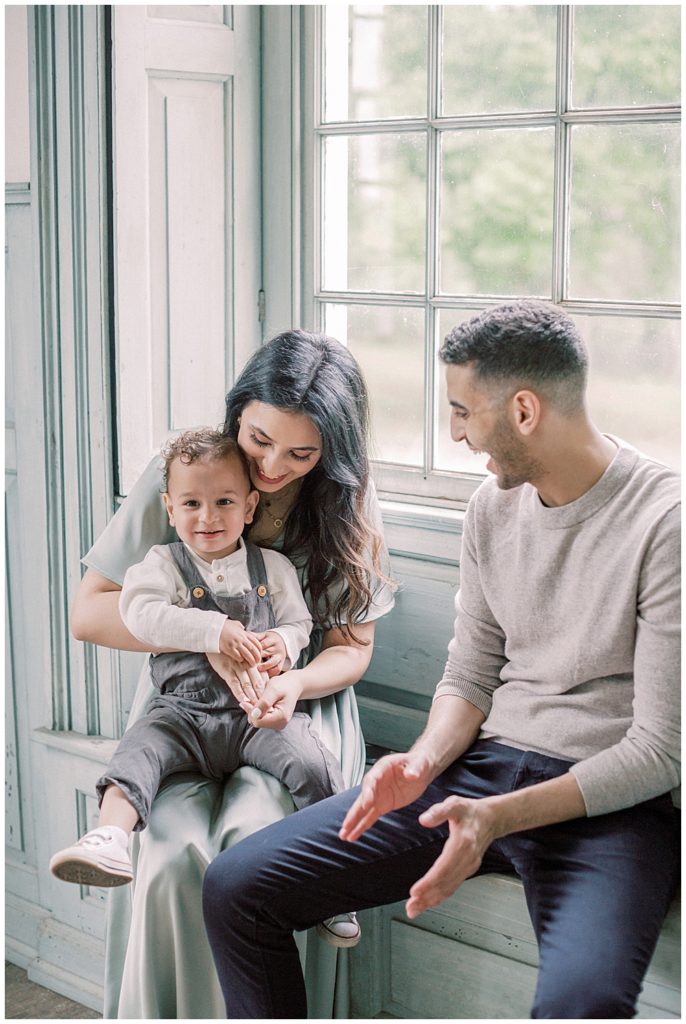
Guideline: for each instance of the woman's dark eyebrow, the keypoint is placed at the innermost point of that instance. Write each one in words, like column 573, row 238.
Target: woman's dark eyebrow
column 295, row 447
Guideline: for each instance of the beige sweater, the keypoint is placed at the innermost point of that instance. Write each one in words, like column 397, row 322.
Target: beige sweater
column 567, row 634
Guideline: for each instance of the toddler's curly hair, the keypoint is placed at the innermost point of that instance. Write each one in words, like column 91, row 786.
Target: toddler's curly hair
column 202, row 443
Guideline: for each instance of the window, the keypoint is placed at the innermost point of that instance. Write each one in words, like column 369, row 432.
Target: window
column 466, row 154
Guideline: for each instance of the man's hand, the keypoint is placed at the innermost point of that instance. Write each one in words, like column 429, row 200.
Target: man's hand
column 274, row 652
column 472, row 830
column 394, row 781
column 238, row 643
column 275, row 708
column 246, row 682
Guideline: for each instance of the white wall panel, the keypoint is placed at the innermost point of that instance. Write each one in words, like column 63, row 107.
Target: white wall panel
column 17, row 149
column 192, row 266
column 175, row 189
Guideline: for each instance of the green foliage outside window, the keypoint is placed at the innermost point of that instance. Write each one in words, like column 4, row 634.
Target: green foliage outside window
column 494, row 188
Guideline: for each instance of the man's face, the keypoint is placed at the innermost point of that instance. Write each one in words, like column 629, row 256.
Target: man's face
column 479, row 417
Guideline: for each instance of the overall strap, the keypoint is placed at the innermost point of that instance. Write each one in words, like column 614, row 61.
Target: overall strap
column 184, row 563
column 256, row 567
column 202, row 596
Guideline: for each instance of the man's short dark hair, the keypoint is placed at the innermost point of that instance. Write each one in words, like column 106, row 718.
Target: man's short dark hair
column 525, row 344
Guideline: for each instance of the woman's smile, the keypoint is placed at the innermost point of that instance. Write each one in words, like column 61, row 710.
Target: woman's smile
column 269, row 479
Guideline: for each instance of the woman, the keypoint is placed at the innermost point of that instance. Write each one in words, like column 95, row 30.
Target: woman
column 299, row 410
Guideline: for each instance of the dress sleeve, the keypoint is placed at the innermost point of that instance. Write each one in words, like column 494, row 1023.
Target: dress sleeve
column 139, row 524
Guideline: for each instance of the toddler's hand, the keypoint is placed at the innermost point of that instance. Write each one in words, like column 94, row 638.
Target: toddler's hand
column 239, row 644
column 274, row 652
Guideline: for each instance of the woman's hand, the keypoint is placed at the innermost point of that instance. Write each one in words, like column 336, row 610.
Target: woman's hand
column 274, row 652
column 246, row 682
column 240, row 644
column 275, row 708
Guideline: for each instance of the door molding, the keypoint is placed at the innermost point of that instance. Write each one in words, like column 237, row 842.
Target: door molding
column 69, row 159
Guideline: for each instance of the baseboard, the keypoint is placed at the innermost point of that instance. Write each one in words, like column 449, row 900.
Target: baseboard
column 54, row 954
column 63, row 981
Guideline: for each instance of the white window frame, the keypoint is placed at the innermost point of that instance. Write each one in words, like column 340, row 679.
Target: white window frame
column 406, row 485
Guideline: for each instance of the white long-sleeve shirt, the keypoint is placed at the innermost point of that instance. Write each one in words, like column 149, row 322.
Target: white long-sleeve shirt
column 155, row 603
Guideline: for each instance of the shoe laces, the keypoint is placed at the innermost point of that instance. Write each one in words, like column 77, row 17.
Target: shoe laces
column 97, row 838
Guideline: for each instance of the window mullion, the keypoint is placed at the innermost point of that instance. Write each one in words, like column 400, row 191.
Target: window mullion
column 561, row 184
column 431, row 276
column 318, row 162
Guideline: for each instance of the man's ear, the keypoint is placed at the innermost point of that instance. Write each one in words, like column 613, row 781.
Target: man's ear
column 250, row 505
column 526, row 410
column 169, row 507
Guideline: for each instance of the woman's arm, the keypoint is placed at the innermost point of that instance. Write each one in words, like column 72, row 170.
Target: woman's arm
column 340, row 663
column 95, row 614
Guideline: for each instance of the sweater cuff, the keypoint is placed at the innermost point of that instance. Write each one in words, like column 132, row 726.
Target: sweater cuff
column 457, row 686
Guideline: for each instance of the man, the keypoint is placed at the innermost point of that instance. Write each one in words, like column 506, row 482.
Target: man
column 553, row 739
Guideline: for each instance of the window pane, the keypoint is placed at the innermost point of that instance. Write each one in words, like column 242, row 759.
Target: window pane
column 388, row 343
column 498, row 58
column 375, row 61
column 374, row 212
column 634, row 381
column 496, row 211
column 626, row 55
column 624, row 212
column 447, row 454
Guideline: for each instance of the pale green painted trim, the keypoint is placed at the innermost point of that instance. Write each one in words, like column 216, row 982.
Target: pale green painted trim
column 92, row 748
column 282, row 169
column 69, row 168
column 43, row 102
column 17, row 192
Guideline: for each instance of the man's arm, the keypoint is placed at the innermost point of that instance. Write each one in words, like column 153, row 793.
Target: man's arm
column 399, row 779
column 647, row 760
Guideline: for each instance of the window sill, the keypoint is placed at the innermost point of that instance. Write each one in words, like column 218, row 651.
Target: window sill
column 425, row 532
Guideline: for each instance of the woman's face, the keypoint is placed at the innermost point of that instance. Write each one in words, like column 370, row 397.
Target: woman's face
column 281, row 446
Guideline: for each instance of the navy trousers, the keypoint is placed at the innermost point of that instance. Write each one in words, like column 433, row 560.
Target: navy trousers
column 597, row 889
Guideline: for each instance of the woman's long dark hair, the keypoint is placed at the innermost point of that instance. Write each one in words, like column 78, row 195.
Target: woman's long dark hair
column 315, row 375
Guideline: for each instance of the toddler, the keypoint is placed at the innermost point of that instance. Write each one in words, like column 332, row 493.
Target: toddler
column 209, row 592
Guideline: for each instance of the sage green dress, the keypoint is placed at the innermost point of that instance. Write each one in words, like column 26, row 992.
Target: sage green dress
column 158, row 960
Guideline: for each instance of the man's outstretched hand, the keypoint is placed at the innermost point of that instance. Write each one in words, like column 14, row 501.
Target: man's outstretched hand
column 394, row 781
column 471, row 831
column 398, row 780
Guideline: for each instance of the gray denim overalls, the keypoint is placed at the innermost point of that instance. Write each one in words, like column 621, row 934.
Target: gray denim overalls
column 196, row 724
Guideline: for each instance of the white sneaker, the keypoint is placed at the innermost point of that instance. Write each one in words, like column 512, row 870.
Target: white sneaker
column 101, row 857
column 342, row 931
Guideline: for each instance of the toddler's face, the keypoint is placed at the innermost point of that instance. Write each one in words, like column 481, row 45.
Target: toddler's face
column 209, row 502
